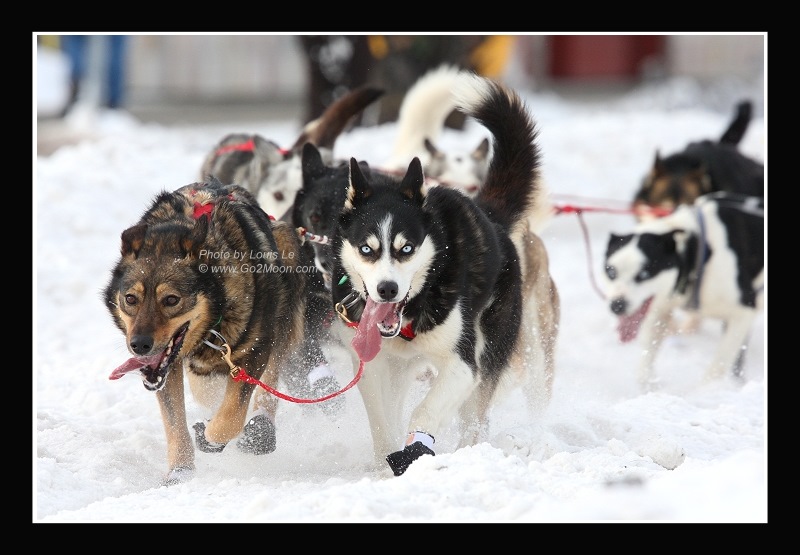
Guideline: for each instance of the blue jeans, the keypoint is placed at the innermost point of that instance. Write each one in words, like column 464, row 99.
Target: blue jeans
column 102, row 56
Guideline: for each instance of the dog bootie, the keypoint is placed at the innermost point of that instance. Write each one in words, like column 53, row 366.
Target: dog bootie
column 202, row 443
column 418, row 444
column 259, row 436
column 178, row 476
column 323, row 385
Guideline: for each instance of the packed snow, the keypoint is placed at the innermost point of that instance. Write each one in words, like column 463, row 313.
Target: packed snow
column 602, row 451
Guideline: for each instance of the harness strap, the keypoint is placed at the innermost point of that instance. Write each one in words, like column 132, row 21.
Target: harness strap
column 744, row 203
column 700, row 263
column 247, row 146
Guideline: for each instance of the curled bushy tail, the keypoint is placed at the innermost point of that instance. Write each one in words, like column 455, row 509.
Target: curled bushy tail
column 425, row 108
column 508, row 194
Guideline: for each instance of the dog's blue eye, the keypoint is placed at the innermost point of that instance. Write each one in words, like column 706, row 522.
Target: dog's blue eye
column 366, row 249
column 643, row 275
column 611, row 272
column 407, row 249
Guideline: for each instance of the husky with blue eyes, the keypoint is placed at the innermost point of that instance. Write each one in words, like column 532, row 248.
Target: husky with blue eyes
column 706, row 258
column 430, row 276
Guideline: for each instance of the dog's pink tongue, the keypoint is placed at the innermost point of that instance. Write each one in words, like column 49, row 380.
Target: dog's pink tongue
column 367, row 341
column 629, row 325
column 133, row 364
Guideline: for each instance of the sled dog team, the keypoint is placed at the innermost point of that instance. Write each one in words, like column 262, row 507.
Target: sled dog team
column 426, row 267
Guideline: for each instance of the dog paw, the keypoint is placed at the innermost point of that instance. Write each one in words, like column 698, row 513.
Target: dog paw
column 178, row 476
column 399, row 461
column 326, row 386
column 202, row 443
column 259, row 436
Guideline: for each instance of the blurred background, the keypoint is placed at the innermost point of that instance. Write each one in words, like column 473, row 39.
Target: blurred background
column 198, row 79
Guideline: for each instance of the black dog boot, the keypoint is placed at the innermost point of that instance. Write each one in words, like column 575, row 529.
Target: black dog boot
column 418, row 444
column 202, row 443
column 259, row 436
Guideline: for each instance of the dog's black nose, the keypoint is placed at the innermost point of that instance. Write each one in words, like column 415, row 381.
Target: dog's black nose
column 387, row 290
column 141, row 344
column 618, row 306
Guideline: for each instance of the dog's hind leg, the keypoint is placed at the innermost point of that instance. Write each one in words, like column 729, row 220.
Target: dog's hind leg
column 473, row 415
column 180, row 451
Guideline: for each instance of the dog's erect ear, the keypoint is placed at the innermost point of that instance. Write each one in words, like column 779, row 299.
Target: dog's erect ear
column 616, row 242
column 132, row 240
column 313, row 166
column 411, row 186
column 194, row 240
column 658, row 165
column 431, row 148
column 481, row 151
column 358, row 188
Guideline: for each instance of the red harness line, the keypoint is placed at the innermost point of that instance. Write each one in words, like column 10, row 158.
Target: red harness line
column 247, row 146
column 243, row 376
column 579, row 210
column 238, row 373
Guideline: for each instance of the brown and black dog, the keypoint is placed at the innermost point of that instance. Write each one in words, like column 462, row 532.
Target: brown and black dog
column 205, row 267
column 702, row 167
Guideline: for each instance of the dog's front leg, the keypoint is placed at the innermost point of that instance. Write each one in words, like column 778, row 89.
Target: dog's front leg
column 228, row 421
column 373, row 386
column 654, row 329
column 449, row 390
column 180, row 451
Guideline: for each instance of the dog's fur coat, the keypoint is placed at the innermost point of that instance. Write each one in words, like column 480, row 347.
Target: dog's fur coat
column 178, row 278
column 702, row 167
column 707, row 258
column 272, row 174
column 318, row 202
column 444, row 273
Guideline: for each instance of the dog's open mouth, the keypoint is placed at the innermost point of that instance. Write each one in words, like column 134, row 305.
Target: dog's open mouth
column 628, row 326
column 378, row 320
column 153, row 368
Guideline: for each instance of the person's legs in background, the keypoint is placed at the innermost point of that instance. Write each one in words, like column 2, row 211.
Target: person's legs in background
column 74, row 46
column 116, row 57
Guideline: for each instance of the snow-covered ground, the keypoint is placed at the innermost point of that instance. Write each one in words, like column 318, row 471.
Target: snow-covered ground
column 602, row 451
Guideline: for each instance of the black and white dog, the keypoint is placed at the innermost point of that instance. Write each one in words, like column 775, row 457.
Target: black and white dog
column 706, row 258
column 430, row 274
